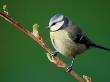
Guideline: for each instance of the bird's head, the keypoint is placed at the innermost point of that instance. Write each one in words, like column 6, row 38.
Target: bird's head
column 58, row 22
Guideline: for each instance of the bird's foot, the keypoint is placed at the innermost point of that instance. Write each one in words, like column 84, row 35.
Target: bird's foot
column 55, row 53
column 56, row 60
column 68, row 69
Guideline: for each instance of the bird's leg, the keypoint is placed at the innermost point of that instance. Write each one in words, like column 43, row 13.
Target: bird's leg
column 72, row 62
column 69, row 68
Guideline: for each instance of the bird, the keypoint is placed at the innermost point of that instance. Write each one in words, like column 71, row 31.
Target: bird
column 68, row 38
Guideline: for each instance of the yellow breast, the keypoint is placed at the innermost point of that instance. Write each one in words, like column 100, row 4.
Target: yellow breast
column 64, row 44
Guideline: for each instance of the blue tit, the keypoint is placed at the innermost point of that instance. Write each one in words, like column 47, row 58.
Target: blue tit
column 67, row 37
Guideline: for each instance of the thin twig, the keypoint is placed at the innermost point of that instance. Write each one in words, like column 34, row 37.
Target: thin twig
column 41, row 42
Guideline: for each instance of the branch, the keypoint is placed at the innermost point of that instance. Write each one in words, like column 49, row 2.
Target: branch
column 38, row 39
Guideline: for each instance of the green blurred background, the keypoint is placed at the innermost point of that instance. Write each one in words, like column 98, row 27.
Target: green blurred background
column 22, row 60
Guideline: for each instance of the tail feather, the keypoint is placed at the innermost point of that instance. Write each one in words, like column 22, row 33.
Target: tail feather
column 101, row 47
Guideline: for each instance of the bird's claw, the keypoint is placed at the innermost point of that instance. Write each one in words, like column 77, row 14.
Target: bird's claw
column 55, row 53
column 68, row 69
column 50, row 57
column 56, row 60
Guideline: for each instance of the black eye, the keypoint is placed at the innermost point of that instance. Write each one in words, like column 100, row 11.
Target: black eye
column 53, row 24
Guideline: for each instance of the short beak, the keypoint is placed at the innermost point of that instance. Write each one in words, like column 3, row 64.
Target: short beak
column 48, row 27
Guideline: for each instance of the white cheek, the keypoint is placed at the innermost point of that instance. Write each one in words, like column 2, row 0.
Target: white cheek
column 57, row 26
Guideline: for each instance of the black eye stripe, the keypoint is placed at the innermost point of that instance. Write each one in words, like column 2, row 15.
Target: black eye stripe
column 55, row 23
